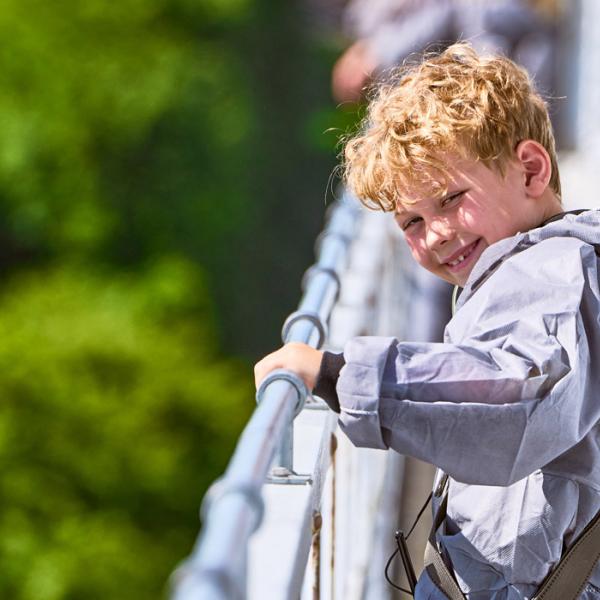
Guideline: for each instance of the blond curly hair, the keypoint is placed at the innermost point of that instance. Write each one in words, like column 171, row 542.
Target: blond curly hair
column 456, row 102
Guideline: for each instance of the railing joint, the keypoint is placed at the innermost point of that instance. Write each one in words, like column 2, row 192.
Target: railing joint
column 290, row 377
column 283, row 476
column 315, row 403
column 304, row 315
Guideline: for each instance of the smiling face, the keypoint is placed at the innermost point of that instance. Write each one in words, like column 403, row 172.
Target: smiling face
column 447, row 233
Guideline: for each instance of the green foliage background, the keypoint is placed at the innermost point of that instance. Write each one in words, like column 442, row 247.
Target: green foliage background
column 162, row 177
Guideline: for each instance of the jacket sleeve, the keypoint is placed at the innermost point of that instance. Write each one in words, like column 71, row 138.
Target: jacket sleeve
column 509, row 391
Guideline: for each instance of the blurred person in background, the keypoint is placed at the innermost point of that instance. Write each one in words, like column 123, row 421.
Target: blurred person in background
column 385, row 32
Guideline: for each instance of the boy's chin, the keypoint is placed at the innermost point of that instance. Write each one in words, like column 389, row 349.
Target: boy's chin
column 452, row 275
column 459, row 279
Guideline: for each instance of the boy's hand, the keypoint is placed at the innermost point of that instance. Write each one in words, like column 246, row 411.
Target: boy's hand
column 301, row 359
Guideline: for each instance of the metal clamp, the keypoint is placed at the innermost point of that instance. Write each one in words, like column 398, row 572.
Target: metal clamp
column 221, row 488
column 284, row 375
column 281, row 476
column 315, row 403
column 300, row 315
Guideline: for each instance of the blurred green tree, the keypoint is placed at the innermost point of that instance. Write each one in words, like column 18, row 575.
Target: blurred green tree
column 116, row 411
column 82, row 85
column 150, row 126
column 114, row 419
column 132, row 131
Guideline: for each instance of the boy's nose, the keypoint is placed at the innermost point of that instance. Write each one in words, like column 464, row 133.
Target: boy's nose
column 438, row 233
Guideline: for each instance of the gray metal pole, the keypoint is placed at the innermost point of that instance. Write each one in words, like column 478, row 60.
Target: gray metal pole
column 233, row 507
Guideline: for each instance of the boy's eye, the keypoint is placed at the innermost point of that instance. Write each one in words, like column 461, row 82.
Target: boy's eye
column 449, row 199
column 410, row 222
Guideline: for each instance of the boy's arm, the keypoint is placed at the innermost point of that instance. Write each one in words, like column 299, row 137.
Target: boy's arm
column 512, row 392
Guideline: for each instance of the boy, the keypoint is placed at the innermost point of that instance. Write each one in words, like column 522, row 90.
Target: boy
column 460, row 148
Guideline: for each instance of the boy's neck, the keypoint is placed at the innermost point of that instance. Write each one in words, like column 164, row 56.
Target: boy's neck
column 551, row 205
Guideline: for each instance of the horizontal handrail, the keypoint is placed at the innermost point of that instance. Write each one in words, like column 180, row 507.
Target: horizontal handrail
column 232, row 508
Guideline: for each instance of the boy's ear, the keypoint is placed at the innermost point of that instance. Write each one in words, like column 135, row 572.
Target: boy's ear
column 536, row 165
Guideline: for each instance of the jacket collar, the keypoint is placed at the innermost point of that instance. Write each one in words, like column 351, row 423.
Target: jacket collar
column 493, row 256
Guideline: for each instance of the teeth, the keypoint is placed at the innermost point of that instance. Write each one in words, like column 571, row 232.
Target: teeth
column 453, row 263
column 461, row 257
column 457, row 261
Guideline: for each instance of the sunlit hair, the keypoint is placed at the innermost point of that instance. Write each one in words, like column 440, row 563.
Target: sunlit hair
column 456, row 102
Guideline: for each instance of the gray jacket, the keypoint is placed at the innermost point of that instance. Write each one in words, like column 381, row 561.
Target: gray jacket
column 508, row 406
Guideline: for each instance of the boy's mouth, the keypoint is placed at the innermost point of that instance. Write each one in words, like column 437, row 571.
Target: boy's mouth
column 463, row 257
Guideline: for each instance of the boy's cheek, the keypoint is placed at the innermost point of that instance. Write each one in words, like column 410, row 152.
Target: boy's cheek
column 428, row 261
column 420, row 253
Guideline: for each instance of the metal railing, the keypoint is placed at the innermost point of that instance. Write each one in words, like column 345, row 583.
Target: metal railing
column 233, row 507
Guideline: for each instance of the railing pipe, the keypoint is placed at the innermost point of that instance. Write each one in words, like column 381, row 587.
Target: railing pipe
column 232, row 509
column 321, row 285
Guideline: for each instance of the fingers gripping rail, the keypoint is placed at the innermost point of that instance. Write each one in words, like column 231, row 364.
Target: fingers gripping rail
column 283, row 375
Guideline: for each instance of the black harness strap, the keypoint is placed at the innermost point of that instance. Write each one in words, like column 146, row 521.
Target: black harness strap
column 570, row 575
column 564, row 582
column 434, row 563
